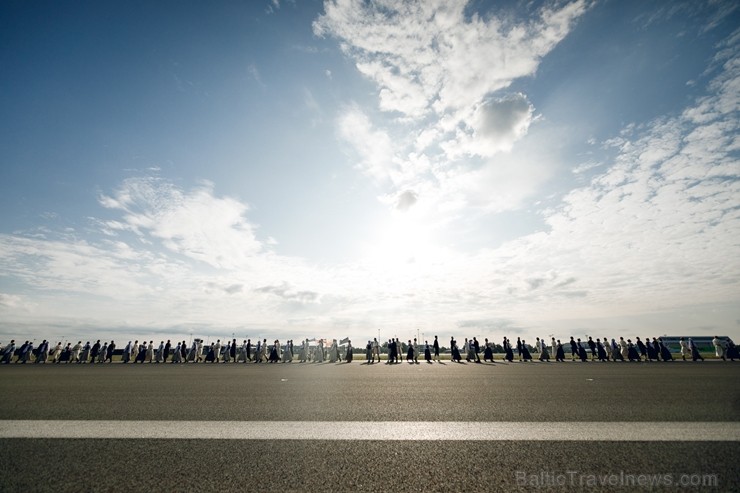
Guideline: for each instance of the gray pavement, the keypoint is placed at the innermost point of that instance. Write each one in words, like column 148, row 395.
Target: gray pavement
column 660, row 392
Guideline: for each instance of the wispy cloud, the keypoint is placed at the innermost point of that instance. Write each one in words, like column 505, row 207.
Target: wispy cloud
column 194, row 224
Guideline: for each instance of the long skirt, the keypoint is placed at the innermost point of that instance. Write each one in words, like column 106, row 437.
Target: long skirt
column 488, row 354
column 510, row 355
column 732, row 352
column 544, row 355
column 525, row 354
column 665, row 353
column 456, row 354
column 601, row 352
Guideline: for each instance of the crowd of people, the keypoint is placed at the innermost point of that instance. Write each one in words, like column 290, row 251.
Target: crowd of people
column 334, row 352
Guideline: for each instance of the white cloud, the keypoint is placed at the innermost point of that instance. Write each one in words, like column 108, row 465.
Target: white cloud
column 494, row 127
column 439, row 71
column 195, row 223
column 428, row 54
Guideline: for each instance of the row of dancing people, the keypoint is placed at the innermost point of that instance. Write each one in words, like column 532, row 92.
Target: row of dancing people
column 622, row 350
column 181, row 352
column 275, row 352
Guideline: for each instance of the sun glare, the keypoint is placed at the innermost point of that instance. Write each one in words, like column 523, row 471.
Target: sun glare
column 404, row 241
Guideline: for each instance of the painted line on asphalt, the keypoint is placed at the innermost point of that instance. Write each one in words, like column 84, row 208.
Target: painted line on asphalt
column 623, row 431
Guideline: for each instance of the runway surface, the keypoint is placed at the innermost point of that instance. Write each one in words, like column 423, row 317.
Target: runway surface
column 598, row 403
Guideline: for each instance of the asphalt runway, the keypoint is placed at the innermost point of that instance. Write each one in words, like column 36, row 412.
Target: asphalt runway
column 663, row 393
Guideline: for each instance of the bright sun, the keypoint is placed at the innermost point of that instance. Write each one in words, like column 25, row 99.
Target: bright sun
column 402, row 241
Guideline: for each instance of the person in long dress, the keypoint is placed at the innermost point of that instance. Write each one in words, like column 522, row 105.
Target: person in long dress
column 159, row 353
column 685, row 349
column 455, row 351
column 164, row 351
column 554, row 347
column 43, row 352
column 469, row 350
column 519, row 347
column 600, row 353
column 642, row 348
column 731, row 351
column 719, row 348
column 581, row 351
column 607, row 349
column 127, row 352
column 592, row 347
column 150, row 352
column 177, row 355
column 274, row 352
column 85, row 353
column 304, row 351
column 559, row 352
column 232, row 351
column 26, row 351
column 287, row 353
column 526, row 356
column 319, row 352
column 487, row 351
column 76, row 352
column 544, row 353
column 632, row 353
column 410, row 353
column 66, row 353
column 210, row 355
column 616, row 351
column 94, row 351
column 656, row 346
column 508, row 350
column 333, row 351
column 103, row 353
column 217, row 351
column 135, row 350
column 242, row 354
column 623, row 348
column 695, row 354
column 573, row 349
column 56, row 353
column 665, row 353
column 651, row 353
column 391, row 359
column 263, row 350
column 198, row 351
column 427, row 352
column 348, row 355
column 141, row 357
column 8, row 352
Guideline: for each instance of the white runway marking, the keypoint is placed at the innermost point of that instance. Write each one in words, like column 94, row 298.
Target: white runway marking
column 384, row 430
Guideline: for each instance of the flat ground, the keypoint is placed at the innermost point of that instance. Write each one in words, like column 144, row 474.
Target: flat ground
column 664, row 393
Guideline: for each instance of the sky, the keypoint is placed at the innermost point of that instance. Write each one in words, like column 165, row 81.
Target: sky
column 290, row 169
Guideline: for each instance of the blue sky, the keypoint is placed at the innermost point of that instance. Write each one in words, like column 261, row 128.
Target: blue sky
column 339, row 168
